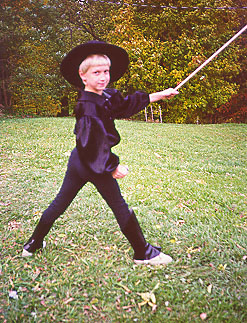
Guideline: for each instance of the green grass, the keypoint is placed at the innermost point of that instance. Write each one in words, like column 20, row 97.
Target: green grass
column 187, row 185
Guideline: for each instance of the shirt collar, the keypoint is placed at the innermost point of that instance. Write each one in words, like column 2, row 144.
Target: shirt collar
column 92, row 97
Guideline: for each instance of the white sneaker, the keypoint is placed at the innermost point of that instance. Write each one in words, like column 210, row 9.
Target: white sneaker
column 26, row 253
column 161, row 259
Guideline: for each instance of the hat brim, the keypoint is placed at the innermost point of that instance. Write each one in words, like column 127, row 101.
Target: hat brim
column 71, row 62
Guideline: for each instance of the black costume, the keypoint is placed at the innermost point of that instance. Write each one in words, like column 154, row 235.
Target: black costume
column 92, row 161
column 95, row 130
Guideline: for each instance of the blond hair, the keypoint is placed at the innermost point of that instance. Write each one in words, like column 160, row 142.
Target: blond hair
column 93, row 60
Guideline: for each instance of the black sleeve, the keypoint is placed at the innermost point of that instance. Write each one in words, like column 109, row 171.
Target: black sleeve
column 125, row 107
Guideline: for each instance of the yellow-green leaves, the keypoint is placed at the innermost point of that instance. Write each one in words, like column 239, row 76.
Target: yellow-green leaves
column 149, row 299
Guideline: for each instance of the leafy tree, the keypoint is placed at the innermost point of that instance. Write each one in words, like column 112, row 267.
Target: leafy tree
column 10, row 40
column 44, row 32
column 25, row 31
column 166, row 45
column 235, row 110
column 85, row 19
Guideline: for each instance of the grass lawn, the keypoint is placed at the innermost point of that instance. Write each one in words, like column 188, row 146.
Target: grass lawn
column 187, row 185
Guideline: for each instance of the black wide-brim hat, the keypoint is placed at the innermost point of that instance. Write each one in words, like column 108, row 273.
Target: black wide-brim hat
column 71, row 62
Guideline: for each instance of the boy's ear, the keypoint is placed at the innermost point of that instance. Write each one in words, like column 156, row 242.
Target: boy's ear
column 83, row 77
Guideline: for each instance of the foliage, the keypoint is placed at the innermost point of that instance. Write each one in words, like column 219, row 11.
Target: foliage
column 40, row 90
column 10, row 40
column 145, row 54
column 187, row 184
column 233, row 111
column 166, row 45
column 45, row 31
column 34, row 67
column 84, row 19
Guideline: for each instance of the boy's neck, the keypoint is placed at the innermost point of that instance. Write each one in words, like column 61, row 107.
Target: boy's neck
column 96, row 92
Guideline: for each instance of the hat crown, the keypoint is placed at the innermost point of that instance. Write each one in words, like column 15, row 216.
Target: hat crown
column 70, row 64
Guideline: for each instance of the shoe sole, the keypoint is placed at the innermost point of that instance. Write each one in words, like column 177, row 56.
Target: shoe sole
column 26, row 253
column 158, row 260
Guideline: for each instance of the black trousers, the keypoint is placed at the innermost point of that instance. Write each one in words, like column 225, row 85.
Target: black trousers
column 77, row 175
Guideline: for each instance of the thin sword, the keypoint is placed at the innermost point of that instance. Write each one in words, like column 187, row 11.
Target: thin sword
column 210, row 58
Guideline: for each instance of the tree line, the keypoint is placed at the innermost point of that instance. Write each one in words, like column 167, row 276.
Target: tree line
column 164, row 44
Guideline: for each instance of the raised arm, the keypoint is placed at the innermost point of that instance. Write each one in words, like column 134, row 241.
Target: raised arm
column 166, row 94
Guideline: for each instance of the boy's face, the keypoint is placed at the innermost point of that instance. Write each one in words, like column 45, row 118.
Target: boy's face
column 96, row 78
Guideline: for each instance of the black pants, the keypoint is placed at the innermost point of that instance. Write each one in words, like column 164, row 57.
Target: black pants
column 77, row 175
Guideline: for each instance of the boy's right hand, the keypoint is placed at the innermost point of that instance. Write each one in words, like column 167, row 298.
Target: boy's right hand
column 120, row 172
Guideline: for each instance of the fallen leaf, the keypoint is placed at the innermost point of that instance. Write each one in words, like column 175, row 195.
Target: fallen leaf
column 145, row 296
column 13, row 294
column 157, row 155
column 33, row 314
column 14, row 225
column 174, row 240
column 222, row 267
column 193, row 250
column 200, row 181
column 152, row 297
column 36, row 288
column 179, row 222
column 200, row 281
column 148, row 298
column 11, row 282
column 125, row 288
column 128, row 307
column 203, row 316
column 240, row 247
column 23, row 289
column 142, row 303
column 43, row 303
column 209, row 288
column 94, row 301
column 68, row 300
column 95, row 308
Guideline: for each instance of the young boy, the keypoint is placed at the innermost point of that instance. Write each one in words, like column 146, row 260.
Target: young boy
column 92, row 161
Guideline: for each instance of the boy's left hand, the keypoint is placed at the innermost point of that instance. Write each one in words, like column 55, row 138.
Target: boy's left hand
column 120, row 172
column 166, row 94
column 169, row 93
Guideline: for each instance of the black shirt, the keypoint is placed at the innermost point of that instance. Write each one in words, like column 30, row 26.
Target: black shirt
column 95, row 129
